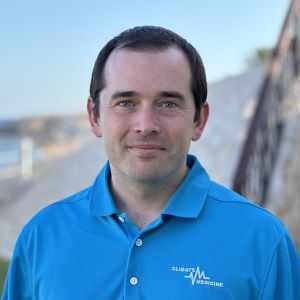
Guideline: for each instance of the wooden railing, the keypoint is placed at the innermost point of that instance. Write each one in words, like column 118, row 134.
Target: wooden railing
column 260, row 149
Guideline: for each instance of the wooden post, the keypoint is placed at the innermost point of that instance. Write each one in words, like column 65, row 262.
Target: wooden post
column 27, row 158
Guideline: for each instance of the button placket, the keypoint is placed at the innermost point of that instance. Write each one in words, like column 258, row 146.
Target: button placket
column 134, row 271
column 139, row 242
column 133, row 280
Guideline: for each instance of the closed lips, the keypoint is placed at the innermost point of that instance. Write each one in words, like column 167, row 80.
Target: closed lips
column 158, row 147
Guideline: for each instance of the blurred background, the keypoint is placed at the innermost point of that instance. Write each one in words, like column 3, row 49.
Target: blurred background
column 251, row 53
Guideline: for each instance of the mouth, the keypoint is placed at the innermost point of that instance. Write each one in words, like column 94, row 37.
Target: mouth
column 146, row 150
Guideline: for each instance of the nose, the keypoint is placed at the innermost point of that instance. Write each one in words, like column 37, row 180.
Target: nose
column 146, row 121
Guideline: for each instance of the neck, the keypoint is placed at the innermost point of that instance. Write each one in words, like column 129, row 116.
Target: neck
column 143, row 201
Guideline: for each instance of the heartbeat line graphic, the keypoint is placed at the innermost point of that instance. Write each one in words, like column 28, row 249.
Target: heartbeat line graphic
column 197, row 275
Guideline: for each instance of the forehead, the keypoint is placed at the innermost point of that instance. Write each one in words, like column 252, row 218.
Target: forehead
column 168, row 64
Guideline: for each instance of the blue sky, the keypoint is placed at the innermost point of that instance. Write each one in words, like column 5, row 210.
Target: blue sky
column 48, row 48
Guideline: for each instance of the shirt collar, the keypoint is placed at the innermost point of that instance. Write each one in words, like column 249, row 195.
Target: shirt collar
column 189, row 198
column 101, row 202
column 187, row 201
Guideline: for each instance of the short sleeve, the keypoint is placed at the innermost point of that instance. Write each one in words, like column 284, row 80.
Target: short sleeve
column 18, row 281
column 282, row 280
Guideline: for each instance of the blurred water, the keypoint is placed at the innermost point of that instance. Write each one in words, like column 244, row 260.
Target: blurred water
column 9, row 151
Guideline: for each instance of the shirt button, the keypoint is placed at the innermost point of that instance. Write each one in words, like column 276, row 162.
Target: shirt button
column 121, row 219
column 139, row 242
column 133, row 280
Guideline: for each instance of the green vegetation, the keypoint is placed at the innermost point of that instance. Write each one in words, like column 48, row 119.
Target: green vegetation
column 3, row 271
column 259, row 57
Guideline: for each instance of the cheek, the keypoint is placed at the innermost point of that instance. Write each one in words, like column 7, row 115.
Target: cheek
column 182, row 127
column 180, row 136
column 113, row 126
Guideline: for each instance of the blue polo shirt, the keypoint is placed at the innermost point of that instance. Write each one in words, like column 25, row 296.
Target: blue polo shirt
column 208, row 243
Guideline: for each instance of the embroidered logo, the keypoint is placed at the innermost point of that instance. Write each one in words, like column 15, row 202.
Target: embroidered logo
column 197, row 276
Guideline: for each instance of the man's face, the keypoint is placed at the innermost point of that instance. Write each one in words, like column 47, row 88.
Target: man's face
column 147, row 114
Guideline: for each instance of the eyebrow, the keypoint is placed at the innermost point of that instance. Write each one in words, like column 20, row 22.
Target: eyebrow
column 171, row 94
column 124, row 94
column 163, row 94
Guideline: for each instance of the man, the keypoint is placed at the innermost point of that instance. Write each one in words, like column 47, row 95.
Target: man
column 153, row 225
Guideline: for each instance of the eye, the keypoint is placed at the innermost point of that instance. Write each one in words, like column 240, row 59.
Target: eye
column 169, row 104
column 125, row 103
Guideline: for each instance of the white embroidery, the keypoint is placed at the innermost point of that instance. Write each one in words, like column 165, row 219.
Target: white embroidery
column 197, row 276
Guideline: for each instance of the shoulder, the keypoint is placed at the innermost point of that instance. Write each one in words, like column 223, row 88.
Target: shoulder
column 244, row 212
column 69, row 203
column 58, row 212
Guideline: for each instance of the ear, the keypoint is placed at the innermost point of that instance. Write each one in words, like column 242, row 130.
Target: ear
column 93, row 118
column 200, row 123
